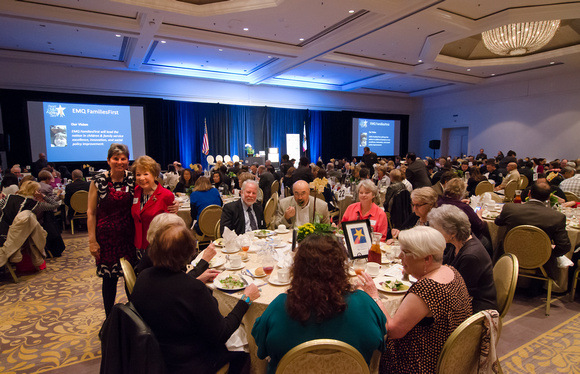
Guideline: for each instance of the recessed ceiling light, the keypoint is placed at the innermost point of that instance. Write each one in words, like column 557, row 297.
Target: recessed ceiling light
column 246, row 29
column 269, row 56
column 468, row 69
column 351, row 11
column 220, row 49
column 552, row 63
column 420, row 61
column 301, row 39
column 118, row 35
column 163, row 42
column 493, row 75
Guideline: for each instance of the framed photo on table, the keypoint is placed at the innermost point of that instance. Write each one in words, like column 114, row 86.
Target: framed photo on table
column 357, row 235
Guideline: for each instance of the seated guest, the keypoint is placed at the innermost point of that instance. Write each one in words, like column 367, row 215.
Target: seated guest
column 287, row 179
column 383, row 181
column 513, row 175
column 572, row 182
column 432, row 308
column 45, row 179
column 454, row 192
column 245, row 214
column 294, row 211
column 217, row 180
column 493, row 174
column 466, row 254
column 27, row 198
column 327, row 193
column 170, row 178
column 394, row 188
column 556, row 190
column 9, row 184
column 77, row 184
column 320, row 303
column 303, row 172
column 182, row 312
column 64, row 173
column 185, row 183
column 422, row 201
column 366, row 209
column 266, row 178
column 203, row 195
column 474, row 178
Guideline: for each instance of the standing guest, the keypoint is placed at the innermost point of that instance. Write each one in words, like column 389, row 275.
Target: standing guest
column 39, row 164
column 416, row 172
column 265, row 183
column 369, row 158
column 320, row 303
column 245, row 214
column 525, row 169
column 303, row 172
column 182, row 312
column 466, row 254
column 77, row 184
column 185, row 182
column 150, row 199
column 297, row 210
column 203, row 195
column 432, row 309
column 503, row 163
column 218, row 182
column 367, row 209
column 110, row 225
column 47, row 219
column 64, row 173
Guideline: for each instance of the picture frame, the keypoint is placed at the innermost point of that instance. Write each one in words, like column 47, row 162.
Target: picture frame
column 358, row 238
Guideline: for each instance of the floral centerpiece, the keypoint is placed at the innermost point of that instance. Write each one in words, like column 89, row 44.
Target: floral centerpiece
column 314, row 228
column 319, row 184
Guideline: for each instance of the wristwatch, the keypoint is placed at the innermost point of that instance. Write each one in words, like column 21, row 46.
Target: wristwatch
column 246, row 299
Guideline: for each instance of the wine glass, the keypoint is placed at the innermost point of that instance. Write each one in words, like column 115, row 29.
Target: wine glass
column 359, row 265
column 267, row 261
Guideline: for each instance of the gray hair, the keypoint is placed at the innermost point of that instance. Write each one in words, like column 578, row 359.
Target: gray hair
column 425, row 195
column 248, row 182
column 451, row 220
column 423, row 241
column 370, row 186
column 161, row 222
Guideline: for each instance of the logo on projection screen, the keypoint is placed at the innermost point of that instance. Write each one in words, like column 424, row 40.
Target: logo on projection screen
column 55, row 111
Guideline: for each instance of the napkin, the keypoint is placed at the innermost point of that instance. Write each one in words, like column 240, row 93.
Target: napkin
column 564, row 262
column 395, row 271
column 230, row 239
column 238, row 341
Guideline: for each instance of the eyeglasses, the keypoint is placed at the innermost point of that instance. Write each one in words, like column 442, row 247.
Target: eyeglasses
column 418, row 205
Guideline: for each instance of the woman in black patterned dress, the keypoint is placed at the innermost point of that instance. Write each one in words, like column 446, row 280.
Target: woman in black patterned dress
column 432, row 308
column 110, row 225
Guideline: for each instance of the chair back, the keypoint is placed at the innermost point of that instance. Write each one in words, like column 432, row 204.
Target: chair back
column 269, row 211
column 523, row 182
column 217, row 232
column 401, row 208
column 287, row 191
column 260, row 195
column 510, row 191
column 343, row 204
column 208, row 218
column 461, row 351
column 571, row 196
column 79, row 202
column 483, row 187
column 529, row 244
column 275, row 187
column 322, row 356
column 128, row 274
column 505, row 278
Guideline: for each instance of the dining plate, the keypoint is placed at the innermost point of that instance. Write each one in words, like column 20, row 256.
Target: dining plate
column 215, row 262
column 263, row 233
column 382, row 285
column 276, row 282
column 219, row 242
column 226, row 286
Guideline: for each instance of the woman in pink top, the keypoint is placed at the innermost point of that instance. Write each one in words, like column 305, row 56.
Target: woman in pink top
column 366, row 209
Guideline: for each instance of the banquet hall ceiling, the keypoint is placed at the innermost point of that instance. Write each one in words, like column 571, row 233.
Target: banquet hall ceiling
column 384, row 47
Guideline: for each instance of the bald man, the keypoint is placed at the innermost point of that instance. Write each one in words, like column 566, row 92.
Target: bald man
column 513, row 175
column 301, row 208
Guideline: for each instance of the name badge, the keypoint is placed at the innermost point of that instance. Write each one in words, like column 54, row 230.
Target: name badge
column 135, row 200
column 373, row 222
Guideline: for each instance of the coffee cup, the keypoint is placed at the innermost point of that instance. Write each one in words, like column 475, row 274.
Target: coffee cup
column 235, row 261
column 284, row 275
column 281, row 228
column 373, row 269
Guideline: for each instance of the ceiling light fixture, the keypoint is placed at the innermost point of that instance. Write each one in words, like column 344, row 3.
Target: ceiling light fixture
column 301, row 39
column 520, row 38
column 246, row 29
column 351, row 11
column 163, row 42
column 118, row 35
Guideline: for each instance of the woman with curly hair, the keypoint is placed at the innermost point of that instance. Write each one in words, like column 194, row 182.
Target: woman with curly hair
column 320, row 303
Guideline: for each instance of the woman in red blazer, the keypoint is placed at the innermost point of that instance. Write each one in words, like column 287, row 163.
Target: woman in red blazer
column 150, row 198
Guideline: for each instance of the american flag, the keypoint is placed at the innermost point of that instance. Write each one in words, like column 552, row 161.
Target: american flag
column 205, row 147
column 304, row 143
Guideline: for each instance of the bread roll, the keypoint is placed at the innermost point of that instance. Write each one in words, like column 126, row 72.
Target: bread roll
column 259, row 272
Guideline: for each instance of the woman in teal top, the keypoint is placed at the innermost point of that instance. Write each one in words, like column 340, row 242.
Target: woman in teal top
column 320, row 304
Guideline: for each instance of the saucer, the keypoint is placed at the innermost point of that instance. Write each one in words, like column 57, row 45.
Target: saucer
column 227, row 266
column 276, row 282
column 282, row 231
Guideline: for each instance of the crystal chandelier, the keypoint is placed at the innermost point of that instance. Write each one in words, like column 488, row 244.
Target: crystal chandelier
column 519, row 38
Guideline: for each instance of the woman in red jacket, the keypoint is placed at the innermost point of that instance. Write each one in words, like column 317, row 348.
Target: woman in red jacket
column 150, row 198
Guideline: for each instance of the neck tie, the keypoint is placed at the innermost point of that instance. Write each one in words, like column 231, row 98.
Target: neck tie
column 253, row 223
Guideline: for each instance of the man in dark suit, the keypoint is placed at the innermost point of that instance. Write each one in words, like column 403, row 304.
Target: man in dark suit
column 369, row 158
column 535, row 213
column 481, row 155
column 39, row 164
column 417, row 172
column 303, row 172
column 245, row 214
column 77, row 184
column 266, row 180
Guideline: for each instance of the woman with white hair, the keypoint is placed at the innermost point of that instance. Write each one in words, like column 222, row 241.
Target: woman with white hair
column 367, row 209
column 468, row 255
column 432, row 308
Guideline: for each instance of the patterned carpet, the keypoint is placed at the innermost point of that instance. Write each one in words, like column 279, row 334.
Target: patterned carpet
column 51, row 319
column 556, row 351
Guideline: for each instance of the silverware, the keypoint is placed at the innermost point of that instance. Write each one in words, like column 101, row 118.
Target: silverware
column 250, row 274
column 245, row 282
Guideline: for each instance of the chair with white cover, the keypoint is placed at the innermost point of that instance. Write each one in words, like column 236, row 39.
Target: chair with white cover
column 461, row 351
column 323, row 356
column 533, row 249
column 207, row 221
column 210, row 160
column 219, row 158
column 505, row 278
column 235, row 158
column 227, row 158
column 79, row 202
column 483, row 187
column 128, row 275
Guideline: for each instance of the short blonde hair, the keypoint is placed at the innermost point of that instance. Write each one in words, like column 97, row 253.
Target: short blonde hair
column 148, row 164
column 425, row 195
column 161, row 222
column 395, row 175
column 368, row 185
column 455, row 188
column 202, row 184
column 423, row 241
column 28, row 188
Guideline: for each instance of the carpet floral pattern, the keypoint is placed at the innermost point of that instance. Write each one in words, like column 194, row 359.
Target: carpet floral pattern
column 51, row 319
column 556, row 351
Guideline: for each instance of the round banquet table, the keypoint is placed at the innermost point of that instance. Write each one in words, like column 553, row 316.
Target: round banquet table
column 185, row 209
column 269, row 292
